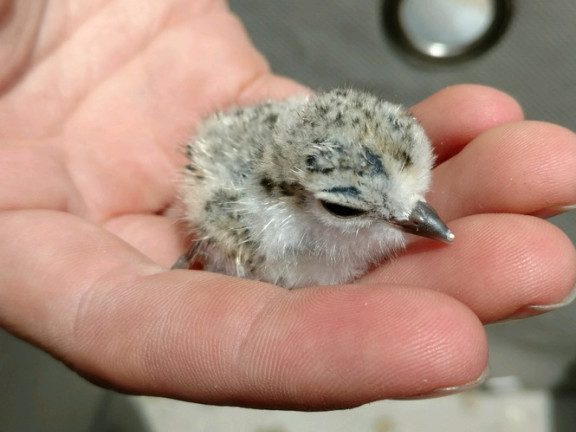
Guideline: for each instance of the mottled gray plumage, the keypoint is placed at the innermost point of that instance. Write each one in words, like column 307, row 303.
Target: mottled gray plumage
column 310, row 190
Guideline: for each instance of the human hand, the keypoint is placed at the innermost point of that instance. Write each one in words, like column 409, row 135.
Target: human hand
column 98, row 97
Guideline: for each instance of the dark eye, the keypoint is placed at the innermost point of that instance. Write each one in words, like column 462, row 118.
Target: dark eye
column 341, row 211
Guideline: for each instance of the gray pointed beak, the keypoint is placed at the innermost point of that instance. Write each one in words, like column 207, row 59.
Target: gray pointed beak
column 425, row 222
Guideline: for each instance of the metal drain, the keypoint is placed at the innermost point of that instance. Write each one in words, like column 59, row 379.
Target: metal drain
column 445, row 30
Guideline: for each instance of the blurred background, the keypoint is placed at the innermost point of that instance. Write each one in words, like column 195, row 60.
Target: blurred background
column 403, row 51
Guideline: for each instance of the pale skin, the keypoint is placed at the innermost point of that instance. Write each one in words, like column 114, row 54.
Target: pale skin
column 96, row 98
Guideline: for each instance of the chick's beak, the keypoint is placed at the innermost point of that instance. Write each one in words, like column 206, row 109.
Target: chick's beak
column 425, row 222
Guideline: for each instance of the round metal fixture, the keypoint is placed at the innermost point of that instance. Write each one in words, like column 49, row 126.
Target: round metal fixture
column 442, row 30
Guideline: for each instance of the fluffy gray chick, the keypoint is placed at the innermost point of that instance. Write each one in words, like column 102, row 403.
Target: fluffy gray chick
column 308, row 191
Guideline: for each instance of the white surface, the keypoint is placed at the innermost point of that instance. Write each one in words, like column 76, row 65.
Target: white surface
column 526, row 411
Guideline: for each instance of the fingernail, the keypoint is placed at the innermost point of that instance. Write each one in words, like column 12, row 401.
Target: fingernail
column 531, row 310
column 568, row 208
column 447, row 391
column 554, row 211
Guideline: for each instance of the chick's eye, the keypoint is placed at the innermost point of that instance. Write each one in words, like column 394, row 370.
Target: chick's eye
column 340, row 210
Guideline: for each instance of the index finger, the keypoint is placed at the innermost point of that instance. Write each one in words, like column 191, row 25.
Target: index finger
column 455, row 115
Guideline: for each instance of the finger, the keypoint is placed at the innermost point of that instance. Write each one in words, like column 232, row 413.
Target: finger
column 498, row 265
column 457, row 114
column 91, row 300
column 522, row 167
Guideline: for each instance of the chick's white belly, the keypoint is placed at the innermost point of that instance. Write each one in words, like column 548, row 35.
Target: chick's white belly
column 327, row 261
column 307, row 271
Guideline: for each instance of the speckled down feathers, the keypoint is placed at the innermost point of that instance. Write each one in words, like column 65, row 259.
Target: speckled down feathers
column 257, row 175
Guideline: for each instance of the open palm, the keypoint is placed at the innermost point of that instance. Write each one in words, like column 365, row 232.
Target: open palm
column 98, row 98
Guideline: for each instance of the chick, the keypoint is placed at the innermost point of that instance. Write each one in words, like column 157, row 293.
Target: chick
column 312, row 190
